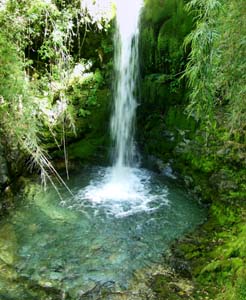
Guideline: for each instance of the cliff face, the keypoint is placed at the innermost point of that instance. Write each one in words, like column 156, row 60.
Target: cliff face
column 169, row 128
column 209, row 155
column 163, row 57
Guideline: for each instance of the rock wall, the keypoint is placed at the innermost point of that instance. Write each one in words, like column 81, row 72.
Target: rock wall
column 4, row 173
column 211, row 166
column 165, row 24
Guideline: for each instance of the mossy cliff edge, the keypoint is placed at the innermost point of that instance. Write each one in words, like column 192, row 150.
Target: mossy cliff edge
column 209, row 157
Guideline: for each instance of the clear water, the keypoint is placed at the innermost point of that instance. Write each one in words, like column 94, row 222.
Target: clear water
column 92, row 239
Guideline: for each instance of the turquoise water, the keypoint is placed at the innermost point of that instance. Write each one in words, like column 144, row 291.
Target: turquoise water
column 91, row 239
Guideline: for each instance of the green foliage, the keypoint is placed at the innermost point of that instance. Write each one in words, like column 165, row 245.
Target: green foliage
column 217, row 253
column 175, row 118
column 227, row 265
column 241, row 287
column 216, row 69
column 53, row 33
column 11, row 72
column 198, row 69
column 82, row 92
column 18, row 114
column 40, row 44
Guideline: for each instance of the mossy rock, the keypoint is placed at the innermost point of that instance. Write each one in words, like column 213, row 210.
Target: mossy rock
column 157, row 11
column 170, row 50
column 164, row 25
column 92, row 131
column 170, row 287
column 158, row 89
column 154, row 90
column 162, row 288
column 8, row 245
column 148, row 45
column 216, row 254
column 176, row 118
column 87, row 149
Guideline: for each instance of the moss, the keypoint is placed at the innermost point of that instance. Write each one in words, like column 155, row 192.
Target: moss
column 176, row 118
column 86, row 149
column 226, row 268
column 216, row 253
column 164, row 288
column 170, row 50
column 241, row 286
column 224, row 214
column 156, row 11
column 156, row 90
column 212, row 161
column 92, row 130
column 165, row 24
column 148, row 46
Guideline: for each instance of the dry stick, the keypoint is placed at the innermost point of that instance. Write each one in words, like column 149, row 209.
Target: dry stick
column 51, row 181
column 45, row 162
column 64, row 148
column 42, row 161
column 84, row 36
column 78, row 35
column 54, row 137
column 51, row 167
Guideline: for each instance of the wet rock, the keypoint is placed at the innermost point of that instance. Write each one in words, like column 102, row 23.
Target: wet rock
column 176, row 261
column 73, row 165
column 188, row 180
column 182, row 287
column 168, row 171
column 159, row 285
column 45, row 284
column 47, row 291
column 4, row 173
column 181, row 267
column 158, row 165
column 97, row 291
column 171, row 286
column 223, row 181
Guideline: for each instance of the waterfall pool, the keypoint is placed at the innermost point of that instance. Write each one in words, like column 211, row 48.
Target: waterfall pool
column 95, row 238
column 119, row 221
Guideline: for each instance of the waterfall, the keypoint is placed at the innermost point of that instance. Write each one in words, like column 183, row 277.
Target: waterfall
column 126, row 62
column 124, row 188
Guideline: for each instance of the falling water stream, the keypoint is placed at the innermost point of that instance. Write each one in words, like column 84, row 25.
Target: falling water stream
column 126, row 71
column 121, row 219
column 124, row 188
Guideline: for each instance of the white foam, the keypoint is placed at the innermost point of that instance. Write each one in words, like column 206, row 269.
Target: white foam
column 123, row 192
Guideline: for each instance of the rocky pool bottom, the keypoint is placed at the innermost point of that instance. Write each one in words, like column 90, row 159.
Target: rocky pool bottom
column 95, row 244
